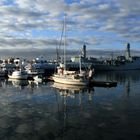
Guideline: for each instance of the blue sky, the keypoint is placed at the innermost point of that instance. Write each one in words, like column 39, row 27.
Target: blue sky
column 101, row 24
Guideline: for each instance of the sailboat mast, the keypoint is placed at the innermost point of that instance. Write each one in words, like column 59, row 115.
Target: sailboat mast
column 65, row 42
column 80, row 63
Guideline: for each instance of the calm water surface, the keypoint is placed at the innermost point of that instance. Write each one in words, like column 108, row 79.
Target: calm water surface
column 47, row 111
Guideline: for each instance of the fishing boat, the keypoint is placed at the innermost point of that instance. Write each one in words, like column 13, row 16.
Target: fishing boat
column 64, row 76
column 18, row 74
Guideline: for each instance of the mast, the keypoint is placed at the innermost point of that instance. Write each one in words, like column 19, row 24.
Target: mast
column 80, row 63
column 65, row 42
column 59, row 58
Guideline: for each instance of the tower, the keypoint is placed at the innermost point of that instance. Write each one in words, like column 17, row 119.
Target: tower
column 127, row 54
column 84, row 51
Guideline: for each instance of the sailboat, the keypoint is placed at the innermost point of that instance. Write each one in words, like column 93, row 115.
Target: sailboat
column 79, row 78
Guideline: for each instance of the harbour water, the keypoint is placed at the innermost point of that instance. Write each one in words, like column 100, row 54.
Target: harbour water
column 47, row 111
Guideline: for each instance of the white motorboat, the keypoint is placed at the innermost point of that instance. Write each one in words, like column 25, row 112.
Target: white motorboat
column 38, row 78
column 18, row 74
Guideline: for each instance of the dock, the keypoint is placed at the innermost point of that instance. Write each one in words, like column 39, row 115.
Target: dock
column 95, row 83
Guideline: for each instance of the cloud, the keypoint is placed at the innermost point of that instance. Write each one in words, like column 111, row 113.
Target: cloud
column 38, row 23
column 27, row 43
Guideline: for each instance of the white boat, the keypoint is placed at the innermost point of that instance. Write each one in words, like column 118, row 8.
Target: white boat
column 18, row 74
column 73, row 79
column 38, row 78
column 67, row 77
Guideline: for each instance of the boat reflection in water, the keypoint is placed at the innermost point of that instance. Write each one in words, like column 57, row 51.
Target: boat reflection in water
column 72, row 99
column 18, row 83
column 72, row 90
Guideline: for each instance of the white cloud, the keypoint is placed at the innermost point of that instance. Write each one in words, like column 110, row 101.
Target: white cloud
column 25, row 3
column 41, row 19
column 103, row 7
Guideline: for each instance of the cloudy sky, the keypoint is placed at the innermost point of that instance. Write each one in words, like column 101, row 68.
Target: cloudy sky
column 101, row 24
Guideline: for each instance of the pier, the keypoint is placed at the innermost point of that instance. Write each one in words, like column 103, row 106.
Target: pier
column 103, row 84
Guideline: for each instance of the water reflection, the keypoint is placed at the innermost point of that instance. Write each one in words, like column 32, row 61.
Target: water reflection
column 127, row 88
column 2, row 82
column 130, row 80
column 47, row 114
column 48, row 111
column 67, row 90
column 18, row 83
column 120, row 76
column 73, row 99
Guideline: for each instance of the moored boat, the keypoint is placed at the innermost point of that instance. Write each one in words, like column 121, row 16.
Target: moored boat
column 40, row 65
column 71, row 79
column 18, row 74
column 65, row 76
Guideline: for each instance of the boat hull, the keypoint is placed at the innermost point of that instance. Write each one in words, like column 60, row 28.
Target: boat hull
column 128, row 66
column 23, row 77
column 65, row 80
column 133, row 64
column 20, row 75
